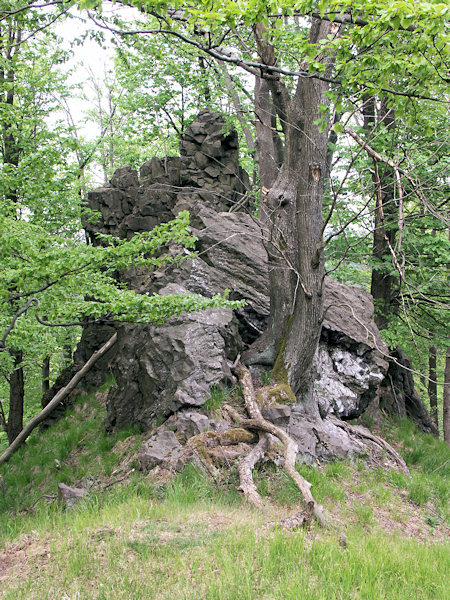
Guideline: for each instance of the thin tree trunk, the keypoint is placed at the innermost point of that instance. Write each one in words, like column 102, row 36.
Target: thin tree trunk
column 16, row 397
column 234, row 96
column 45, row 375
column 446, row 405
column 432, row 384
column 23, row 435
column 11, row 156
column 385, row 217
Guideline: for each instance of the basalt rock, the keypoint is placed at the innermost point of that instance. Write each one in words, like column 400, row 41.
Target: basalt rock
column 165, row 369
column 162, row 368
column 351, row 359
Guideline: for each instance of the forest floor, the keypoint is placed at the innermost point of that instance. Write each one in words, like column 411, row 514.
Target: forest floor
column 185, row 536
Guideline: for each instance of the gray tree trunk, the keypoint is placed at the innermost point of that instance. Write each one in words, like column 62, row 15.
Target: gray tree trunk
column 293, row 206
column 446, row 405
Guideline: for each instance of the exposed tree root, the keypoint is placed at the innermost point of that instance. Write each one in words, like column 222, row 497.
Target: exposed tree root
column 245, row 469
column 258, row 423
column 360, row 433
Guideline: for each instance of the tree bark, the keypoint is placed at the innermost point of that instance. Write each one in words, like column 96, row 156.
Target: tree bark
column 446, row 403
column 432, row 384
column 266, row 144
column 294, row 208
column 16, row 397
column 45, row 375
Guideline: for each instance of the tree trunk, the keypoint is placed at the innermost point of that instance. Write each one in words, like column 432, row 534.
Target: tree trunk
column 295, row 248
column 446, row 404
column 385, row 218
column 266, row 145
column 432, row 384
column 16, row 397
column 46, row 375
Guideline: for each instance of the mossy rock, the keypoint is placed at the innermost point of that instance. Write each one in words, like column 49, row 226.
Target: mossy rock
column 235, row 436
column 279, row 393
column 230, row 437
column 203, row 440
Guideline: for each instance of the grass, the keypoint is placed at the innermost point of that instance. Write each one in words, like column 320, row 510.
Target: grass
column 218, row 396
column 130, row 546
column 188, row 537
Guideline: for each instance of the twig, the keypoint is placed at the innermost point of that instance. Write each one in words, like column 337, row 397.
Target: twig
column 33, row 504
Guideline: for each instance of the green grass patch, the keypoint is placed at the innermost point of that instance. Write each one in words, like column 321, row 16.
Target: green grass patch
column 75, row 447
column 191, row 537
column 131, row 548
column 218, row 396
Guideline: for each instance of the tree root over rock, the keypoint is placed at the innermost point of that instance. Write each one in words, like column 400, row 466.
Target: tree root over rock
column 246, row 465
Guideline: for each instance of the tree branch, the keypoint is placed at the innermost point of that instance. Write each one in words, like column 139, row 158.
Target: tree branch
column 16, row 316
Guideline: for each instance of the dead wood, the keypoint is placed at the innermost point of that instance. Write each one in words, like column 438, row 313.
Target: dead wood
column 258, row 423
column 34, row 422
column 33, row 504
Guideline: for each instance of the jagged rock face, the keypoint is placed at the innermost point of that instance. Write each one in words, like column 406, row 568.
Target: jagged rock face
column 162, row 369
column 230, row 256
column 206, row 174
column 351, row 357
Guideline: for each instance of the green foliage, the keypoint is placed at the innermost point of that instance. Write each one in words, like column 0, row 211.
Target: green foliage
column 266, row 378
column 71, row 281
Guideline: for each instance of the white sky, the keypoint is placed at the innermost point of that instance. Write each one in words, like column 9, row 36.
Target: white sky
column 89, row 58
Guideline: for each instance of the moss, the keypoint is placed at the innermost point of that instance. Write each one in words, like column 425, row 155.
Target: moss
column 279, row 372
column 210, row 439
column 280, row 394
column 237, row 435
column 200, row 441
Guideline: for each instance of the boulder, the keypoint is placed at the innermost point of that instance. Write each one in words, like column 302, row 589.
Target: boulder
column 190, row 423
column 351, row 360
column 163, row 369
column 163, row 449
column 70, row 495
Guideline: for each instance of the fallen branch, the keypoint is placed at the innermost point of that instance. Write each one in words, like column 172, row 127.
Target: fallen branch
column 33, row 504
column 258, row 423
column 56, row 400
column 245, row 469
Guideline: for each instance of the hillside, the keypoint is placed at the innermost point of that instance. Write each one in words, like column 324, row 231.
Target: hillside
column 185, row 535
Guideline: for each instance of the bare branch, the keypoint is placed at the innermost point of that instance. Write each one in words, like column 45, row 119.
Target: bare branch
column 16, row 316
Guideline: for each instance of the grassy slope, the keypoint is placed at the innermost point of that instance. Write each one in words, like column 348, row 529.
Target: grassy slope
column 186, row 538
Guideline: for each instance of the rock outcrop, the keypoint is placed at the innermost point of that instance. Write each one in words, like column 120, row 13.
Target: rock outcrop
column 164, row 370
